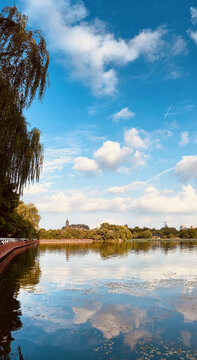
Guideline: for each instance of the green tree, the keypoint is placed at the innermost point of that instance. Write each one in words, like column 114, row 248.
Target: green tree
column 145, row 234
column 24, row 59
column 24, row 62
column 30, row 216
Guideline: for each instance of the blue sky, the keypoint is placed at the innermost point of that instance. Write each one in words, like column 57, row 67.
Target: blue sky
column 119, row 120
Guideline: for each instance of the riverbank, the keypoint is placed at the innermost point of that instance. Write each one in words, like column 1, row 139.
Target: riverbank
column 66, row 241
column 12, row 248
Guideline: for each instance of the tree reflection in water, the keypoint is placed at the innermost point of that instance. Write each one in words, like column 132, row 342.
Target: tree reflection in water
column 23, row 271
column 112, row 249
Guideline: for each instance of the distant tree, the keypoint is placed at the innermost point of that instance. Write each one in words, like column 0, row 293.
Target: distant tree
column 145, row 234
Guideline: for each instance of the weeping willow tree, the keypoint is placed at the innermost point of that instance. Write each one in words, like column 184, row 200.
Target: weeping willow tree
column 24, row 59
column 24, row 62
column 21, row 153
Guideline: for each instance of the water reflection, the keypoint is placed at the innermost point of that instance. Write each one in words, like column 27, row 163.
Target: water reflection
column 101, row 301
column 20, row 273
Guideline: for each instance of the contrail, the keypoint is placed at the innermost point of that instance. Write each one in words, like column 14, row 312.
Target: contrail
column 166, row 114
column 140, row 172
column 148, row 156
column 158, row 175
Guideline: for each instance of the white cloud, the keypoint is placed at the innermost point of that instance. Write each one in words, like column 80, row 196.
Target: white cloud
column 179, row 46
column 59, row 202
column 111, row 155
column 184, row 138
column 125, row 113
column 149, row 202
column 90, row 47
column 86, row 166
column 135, row 185
column 126, row 188
column 134, row 139
column 186, row 168
column 162, row 202
column 193, row 35
column 37, row 188
column 55, row 159
column 193, row 12
column 139, row 159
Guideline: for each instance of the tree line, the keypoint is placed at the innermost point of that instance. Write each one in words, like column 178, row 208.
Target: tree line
column 108, row 232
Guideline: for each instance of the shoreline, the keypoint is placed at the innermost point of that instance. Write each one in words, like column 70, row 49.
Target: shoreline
column 65, row 241
column 92, row 241
column 14, row 248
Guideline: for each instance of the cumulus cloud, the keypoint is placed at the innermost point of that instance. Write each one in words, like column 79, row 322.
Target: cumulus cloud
column 138, row 159
column 134, row 139
column 59, row 202
column 92, row 51
column 184, row 138
column 150, row 201
column 111, row 155
column 186, row 168
column 125, row 113
column 86, row 166
column 165, row 202
column 193, row 12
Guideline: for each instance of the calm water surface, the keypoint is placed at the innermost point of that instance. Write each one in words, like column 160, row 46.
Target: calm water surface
column 127, row 301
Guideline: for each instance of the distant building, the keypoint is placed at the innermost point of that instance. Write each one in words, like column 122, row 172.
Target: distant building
column 79, row 226
column 192, row 227
column 75, row 226
column 156, row 236
column 165, row 224
column 182, row 227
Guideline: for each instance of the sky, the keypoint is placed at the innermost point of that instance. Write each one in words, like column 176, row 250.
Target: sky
column 118, row 122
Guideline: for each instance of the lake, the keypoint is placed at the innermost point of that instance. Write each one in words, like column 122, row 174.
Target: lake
column 135, row 300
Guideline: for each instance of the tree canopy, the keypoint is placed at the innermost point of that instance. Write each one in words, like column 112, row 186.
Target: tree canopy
column 24, row 62
column 29, row 215
column 24, row 59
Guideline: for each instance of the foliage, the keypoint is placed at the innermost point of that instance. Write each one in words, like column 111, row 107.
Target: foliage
column 24, row 62
column 21, row 154
column 16, row 218
column 9, row 201
column 188, row 233
column 24, row 59
column 29, row 215
column 108, row 232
